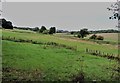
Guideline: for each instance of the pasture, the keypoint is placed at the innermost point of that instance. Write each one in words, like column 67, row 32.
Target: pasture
column 24, row 61
column 111, row 37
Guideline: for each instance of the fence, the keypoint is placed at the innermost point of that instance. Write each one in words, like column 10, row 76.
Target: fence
column 102, row 54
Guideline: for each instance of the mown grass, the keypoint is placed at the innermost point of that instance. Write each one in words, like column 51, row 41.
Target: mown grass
column 49, row 63
column 28, row 61
column 110, row 37
column 80, row 45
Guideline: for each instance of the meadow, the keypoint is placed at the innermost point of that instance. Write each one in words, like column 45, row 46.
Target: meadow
column 26, row 61
column 112, row 37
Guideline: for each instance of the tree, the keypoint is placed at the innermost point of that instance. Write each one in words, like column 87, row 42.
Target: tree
column 52, row 30
column 84, row 32
column 43, row 28
column 115, row 9
column 36, row 29
column 7, row 24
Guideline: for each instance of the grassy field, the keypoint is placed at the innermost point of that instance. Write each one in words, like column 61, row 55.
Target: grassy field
column 111, row 37
column 41, row 62
column 80, row 44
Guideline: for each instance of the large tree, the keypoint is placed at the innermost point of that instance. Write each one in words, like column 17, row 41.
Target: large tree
column 52, row 30
column 43, row 28
column 84, row 32
column 7, row 24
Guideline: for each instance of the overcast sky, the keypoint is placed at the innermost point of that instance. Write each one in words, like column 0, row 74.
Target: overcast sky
column 58, row 0
column 66, row 16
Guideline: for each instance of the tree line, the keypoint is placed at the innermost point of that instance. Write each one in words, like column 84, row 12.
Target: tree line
column 80, row 34
column 105, row 31
column 8, row 25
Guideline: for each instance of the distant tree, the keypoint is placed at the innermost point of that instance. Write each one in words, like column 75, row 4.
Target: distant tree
column 36, row 29
column 7, row 24
column 84, row 32
column 100, row 37
column 43, row 28
column 52, row 30
column 93, row 36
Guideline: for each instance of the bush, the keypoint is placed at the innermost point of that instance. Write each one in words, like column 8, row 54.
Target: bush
column 45, row 32
column 100, row 37
column 93, row 37
column 79, row 36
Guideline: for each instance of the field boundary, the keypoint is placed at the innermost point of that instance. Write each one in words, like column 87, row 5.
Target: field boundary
column 102, row 41
column 102, row 54
column 38, row 42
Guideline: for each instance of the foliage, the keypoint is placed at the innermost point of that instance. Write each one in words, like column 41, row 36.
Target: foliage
column 7, row 24
column 43, row 28
column 84, row 32
column 52, row 30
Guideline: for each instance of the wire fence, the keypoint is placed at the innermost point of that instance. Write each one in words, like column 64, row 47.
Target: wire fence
column 102, row 54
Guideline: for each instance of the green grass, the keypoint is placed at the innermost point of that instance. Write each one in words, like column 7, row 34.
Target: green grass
column 46, row 62
column 81, row 45
column 53, row 63
column 110, row 37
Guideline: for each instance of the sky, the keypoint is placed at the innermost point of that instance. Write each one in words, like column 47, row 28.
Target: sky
column 62, row 15
column 58, row 0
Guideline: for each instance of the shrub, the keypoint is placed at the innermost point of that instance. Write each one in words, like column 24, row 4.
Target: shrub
column 93, row 37
column 45, row 32
column 100, row 37
column 79, row 36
